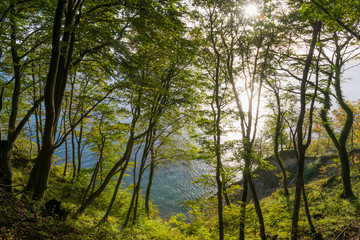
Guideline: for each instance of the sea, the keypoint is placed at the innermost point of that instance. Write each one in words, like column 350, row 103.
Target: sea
column 172, row 185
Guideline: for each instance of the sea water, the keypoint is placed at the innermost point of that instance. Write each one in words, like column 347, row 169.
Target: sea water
column 172, row 185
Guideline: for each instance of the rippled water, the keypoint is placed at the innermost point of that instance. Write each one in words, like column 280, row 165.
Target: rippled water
column 173, row 185
column 170, row 187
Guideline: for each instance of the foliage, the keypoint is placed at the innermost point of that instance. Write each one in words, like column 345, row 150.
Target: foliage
column 166, row 74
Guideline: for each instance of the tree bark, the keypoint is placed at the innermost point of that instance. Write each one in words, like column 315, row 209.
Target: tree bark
column 151, row 175
column 301, row 147
column 307, row 211
column 243, row 207
column 123, row 170
column 37, row 182
column 257, row 208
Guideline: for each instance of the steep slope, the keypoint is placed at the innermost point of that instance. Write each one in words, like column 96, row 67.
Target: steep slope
column 268, row 181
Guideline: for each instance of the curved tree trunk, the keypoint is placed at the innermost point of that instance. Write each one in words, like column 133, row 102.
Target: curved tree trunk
column 123, row 170
column 115, row 168
column 54, row 90
column 107, row 179
column 301, row 147
column 345, row 132
column 340, row 147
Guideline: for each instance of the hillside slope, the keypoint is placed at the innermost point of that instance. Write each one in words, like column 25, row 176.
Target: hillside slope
column 268, row 181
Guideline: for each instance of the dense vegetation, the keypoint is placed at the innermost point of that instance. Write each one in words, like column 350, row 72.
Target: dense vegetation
column 148, row 85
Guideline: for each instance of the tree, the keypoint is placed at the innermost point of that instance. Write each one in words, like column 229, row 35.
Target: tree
column 246, row 40
column 275, row 88
column 336, row 63
column 337, row 14
column 21, row 48
column 301, row 146
column 64, row 44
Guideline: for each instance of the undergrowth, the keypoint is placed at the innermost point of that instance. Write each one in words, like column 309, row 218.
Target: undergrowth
column 333, row 217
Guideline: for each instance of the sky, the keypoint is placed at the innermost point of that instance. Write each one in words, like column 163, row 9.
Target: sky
column 351, row 86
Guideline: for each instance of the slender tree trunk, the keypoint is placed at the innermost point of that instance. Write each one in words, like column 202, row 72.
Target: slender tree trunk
column 300, row 145
column 247, row 174
column 5, row 166
column 136, row 188
column 276, row 145
column 36, row 113
column 218, row 172
column 135, row 198
column 106, row 181
column 345, row 173
column 345, row 132
column 243, row 206
column 73, row 151
column 151, row 175
column 66, row 158
column 219, row 199
column 136, row 205
column 92, row 180
column 340, row 143
column 216, row 128
column 257, row 208
column 79, row 148
column 97, row 167
column 307, row 211
column 114, row 169
column 5, row 160
column 127, row 219
column 123, row 170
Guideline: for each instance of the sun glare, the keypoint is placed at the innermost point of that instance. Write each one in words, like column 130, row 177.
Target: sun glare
column 251, row 10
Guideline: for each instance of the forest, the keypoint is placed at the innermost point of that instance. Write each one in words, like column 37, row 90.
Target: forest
column 246, row 102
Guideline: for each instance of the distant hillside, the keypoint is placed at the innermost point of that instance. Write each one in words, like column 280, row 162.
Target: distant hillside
column 268, row 181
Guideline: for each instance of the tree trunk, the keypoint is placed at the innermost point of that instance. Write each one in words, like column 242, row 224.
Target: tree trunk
column 243, row 207
column 66, row 158
column 300, row 145
column 73, row 151
column 113, row 170
column 40, row 173
column 276, row 145
column 345, row 173
column 257, row 207
column 135, row 198
column 340, row 143
column 5, row 165
column 5, row 157
column 151, row 175
column 345, row 132
column 123, row 170
column 79, row 148
column 307, row 211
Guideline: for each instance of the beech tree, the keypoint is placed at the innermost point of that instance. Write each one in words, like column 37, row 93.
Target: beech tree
column 274, row 86
column 63, row 60
column 340, row 56
column 23, row 38
column 303, row 141
column 337, row 14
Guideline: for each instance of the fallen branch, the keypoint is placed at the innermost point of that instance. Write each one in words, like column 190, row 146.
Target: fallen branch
column 342, row 232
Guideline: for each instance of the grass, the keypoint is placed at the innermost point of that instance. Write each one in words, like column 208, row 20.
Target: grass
column 333, row 217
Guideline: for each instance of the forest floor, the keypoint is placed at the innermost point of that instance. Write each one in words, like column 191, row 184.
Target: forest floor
column 334, row 218
column 25, row 220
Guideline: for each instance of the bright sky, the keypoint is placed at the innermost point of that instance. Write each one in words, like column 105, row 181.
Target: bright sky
column 251, row 10
column 351, row 86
